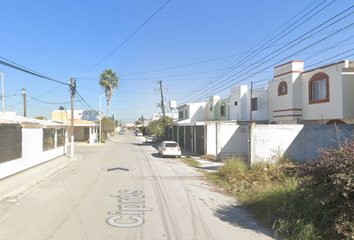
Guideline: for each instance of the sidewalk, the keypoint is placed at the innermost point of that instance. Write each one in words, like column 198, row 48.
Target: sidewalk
column 18, row 183
column 209, row 165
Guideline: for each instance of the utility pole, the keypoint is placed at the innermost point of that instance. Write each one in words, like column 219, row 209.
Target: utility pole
column 251, row 103
column 73, row 91
column 162, row 105
column 250, row 130
column 24, row 102
column 162, row 101
column 3, row 93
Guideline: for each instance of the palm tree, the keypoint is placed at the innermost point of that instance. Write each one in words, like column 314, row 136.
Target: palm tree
column 108, row 82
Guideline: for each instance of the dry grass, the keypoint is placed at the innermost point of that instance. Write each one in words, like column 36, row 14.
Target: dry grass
column 209, row 156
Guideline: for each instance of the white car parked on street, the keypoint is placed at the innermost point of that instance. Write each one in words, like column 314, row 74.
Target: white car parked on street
column 169, row 148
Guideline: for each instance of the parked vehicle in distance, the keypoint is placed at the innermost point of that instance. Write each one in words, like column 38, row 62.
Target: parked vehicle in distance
column 121, row 132
column 169, row 148
column 150, row 139
column 139, row 133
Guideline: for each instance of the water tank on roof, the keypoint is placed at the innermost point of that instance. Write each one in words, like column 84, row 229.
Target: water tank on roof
column 173, row 104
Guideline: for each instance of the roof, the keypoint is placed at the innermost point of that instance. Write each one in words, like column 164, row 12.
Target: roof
column 189, row 104
column 27, row 122
column 82, row 123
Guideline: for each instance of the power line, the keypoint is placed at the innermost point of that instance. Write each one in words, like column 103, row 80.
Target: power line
column 262, row 48
column 126, row 40
column 36, row 99
column 27, row 70
column 95, row 111
column 335, row 32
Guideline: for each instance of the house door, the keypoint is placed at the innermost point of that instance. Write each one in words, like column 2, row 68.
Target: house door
column 181, row 136
column 188, row 139
column 200, row 140
column 86, row 134
column 175, row 133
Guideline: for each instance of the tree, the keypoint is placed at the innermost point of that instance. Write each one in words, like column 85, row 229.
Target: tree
column 107, row 127
column 157, row 127
column 108, row 82
column 41, row 118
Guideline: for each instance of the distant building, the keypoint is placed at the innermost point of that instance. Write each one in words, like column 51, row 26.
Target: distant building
column 65, row 115
column 157, row 116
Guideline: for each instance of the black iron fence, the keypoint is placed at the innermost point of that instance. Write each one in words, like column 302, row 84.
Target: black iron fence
column 61, row 137
column 10, row 142
column 48, row 138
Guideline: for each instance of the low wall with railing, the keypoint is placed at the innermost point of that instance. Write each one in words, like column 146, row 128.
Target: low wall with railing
column 33, row 153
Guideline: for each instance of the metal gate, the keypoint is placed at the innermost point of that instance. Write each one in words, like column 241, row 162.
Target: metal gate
column 188, row 139
column 10, row 142
column 174, row 133
column 200, row 140
column 181, row 137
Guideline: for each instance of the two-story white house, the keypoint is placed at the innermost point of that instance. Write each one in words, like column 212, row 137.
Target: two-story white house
column 190, row 126
column 318, row 96
column 240, row 104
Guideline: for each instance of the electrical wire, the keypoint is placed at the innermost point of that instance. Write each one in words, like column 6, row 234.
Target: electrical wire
column 265, row 61
column 261, row 49
column 126, row 40
column 27, row 70
column 56, row 103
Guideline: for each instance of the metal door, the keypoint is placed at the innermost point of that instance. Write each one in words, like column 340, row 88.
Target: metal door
column 188, row 139
column 200, row 140
column 181, row 137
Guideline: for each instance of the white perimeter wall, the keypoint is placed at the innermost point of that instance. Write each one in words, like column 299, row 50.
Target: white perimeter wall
column 227, row 139
column 32, row 153
column 298, row 141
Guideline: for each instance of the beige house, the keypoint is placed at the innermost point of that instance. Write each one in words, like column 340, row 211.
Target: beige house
column 85, row 127
column 84, row 131
column 317, row 96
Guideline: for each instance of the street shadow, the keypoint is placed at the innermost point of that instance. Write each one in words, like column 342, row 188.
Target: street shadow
column 238, row 216
column 156, row 155
column 213, row 168
column 143, row 144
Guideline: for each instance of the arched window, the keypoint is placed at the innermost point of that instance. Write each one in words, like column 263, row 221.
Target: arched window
column 282, row 88
column 319, row 88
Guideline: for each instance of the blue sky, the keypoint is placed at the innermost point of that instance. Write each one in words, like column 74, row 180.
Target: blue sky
column 197, row 48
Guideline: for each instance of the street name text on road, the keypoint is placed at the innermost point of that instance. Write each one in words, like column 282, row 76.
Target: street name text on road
column 131, row 204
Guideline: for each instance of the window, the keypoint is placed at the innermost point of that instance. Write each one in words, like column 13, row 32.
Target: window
column 282, row 88
column 222, row 109
column 211, row 108
column 319, row 91
column 254, row 104
column 180, row 115
column 171, row 145
column 186, row 114
column 235, row 103
column 319, row 88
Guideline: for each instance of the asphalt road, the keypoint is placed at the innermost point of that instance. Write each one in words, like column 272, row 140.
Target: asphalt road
column 124, row 190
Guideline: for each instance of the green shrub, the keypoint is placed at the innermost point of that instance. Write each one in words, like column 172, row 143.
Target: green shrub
column 329, row 182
